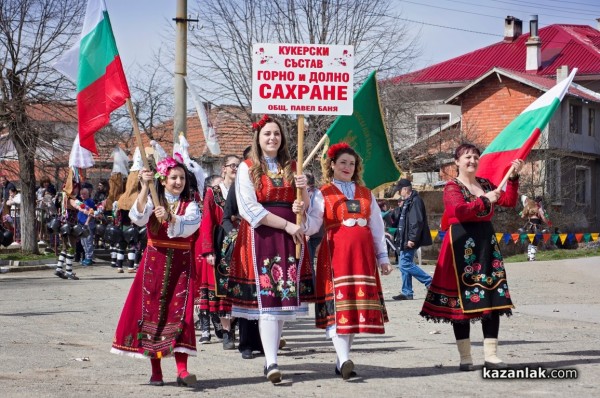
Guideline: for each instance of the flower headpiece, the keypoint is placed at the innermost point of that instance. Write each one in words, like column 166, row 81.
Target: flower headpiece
column 163, row 167
column 333, row 150
column 261, row 123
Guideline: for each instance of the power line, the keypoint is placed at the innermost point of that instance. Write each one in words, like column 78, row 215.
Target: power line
column 559, row 9
column 574, row 2
column 451, row 9
column 449, row 27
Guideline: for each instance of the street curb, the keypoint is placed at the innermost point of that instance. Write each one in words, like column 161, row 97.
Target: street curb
column 33, row 265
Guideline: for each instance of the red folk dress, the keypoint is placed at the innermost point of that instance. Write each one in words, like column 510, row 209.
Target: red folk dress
column 265, row 278
column 158, row 315
column 470, row 258
column 212, row 217
column 348, row 291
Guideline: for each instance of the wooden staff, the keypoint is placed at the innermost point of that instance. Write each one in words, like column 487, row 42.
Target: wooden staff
column 314, row 151
column 299, row 167
column 138, row 136
column 505, row 179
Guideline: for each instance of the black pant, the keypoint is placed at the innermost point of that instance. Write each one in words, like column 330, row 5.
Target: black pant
column 490, row 326
column 249, row 335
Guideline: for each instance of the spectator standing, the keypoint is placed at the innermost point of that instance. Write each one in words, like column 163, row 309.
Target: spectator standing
column 412, row 232
column 87, row 219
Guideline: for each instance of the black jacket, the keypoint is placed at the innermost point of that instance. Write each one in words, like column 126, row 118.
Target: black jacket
column 416, row 228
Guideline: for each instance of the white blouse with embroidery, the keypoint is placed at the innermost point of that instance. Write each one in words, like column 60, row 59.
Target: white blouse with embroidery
column 184, row 225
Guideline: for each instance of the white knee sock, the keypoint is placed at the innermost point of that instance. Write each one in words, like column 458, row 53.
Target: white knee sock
column 341, row 343
column 270, row 335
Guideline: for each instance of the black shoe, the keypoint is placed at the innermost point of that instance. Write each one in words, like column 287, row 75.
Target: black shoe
column 229, row 340
column 72, row 276
column 347, row 369
column 61, row 274
column 187, row 381
column 204, row 339
column 157, row 383
column 247, row 354
column 352, row 374
column 273, row 373
column 402, row 297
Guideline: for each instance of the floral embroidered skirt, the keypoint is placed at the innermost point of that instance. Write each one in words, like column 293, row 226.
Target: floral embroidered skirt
column 470, row 279
column 265, row 277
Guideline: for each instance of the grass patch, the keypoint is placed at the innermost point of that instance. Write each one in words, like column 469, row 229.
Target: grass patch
column 20, row 256
column 558, row 254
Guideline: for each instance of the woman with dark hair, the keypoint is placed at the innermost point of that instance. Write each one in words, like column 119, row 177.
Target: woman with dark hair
column 469, row 282
column 266, row 281
column 208, row 253
column 158, row 315
column 348, row 291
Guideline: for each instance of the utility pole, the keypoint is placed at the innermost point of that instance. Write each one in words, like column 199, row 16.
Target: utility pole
column 179, row 119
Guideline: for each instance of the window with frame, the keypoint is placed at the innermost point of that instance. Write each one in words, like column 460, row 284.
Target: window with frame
column 592, row 122
column 553, row 180
column 574, row 119
column 428, row 122
column 582, row 185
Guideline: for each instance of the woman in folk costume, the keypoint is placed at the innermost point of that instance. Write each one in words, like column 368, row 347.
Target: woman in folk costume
column 266, row 281
column 469, row 282
column 208, row 253
column 348, row 291
column 158, row 315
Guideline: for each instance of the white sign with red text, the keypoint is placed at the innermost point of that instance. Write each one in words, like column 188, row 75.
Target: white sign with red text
column 309, row 79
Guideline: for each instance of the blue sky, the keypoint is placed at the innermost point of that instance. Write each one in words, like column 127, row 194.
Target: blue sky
column 446, row 28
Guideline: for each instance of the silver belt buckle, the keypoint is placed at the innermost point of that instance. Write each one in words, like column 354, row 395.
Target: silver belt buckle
column 351, row 222
column 362, row 222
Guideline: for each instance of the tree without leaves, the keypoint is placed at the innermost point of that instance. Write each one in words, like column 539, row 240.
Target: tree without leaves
column 33, row 34
column 221, row 51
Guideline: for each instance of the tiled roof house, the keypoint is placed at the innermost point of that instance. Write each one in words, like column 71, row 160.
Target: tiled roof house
column 474, row 96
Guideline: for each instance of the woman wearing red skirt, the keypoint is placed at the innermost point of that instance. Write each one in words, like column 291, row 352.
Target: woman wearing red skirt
column 469, row 282
column 348, row 292
column 266, row 281
column 158, row 316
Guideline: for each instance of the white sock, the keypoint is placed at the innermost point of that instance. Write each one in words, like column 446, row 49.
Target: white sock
column 342, row 344
column 270, row 335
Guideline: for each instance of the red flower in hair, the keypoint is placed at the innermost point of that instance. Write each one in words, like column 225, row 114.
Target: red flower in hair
column 335, row 148
column 261, row 123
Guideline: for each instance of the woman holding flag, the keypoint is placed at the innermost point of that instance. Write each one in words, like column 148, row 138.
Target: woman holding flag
column 348, row 291
column 266, row 281
column 469, row 282
column 158, row 316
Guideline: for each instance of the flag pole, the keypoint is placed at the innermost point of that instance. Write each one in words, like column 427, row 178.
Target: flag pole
column 314, row 151
column 505, row 179
column 299, row 169
column 140, row 144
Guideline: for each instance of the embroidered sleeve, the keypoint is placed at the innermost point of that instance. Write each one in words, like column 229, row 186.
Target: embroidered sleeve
column 186, row 224
column 378, row 232
column 509, row 197
column 457, row 206
column 314, row 215
column 141, row 219
column 250, row 209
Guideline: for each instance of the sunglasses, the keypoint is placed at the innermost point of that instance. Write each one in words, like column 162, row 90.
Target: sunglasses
column 233, row 166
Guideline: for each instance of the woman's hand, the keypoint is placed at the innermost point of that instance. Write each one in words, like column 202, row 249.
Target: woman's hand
column 492, row 196
column 301, row 181
column 145, row 176
column 161, row 213
column 295, row 231
column 386, row 269
column 517, row 166
column 210, row 259
column 298, row 206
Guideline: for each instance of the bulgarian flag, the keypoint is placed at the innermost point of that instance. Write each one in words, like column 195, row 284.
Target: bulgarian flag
column 95, row 67
column 518, row 138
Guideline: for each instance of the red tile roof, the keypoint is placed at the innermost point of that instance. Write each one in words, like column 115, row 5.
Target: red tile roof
column 577, row 46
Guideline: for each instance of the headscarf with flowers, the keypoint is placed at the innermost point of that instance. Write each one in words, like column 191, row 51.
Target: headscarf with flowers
column 163, row 167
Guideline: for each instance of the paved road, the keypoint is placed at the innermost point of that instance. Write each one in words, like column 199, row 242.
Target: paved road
column 56, row 336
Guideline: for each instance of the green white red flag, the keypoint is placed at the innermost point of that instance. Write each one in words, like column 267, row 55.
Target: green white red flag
column 518, row 138
column 95, row 67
